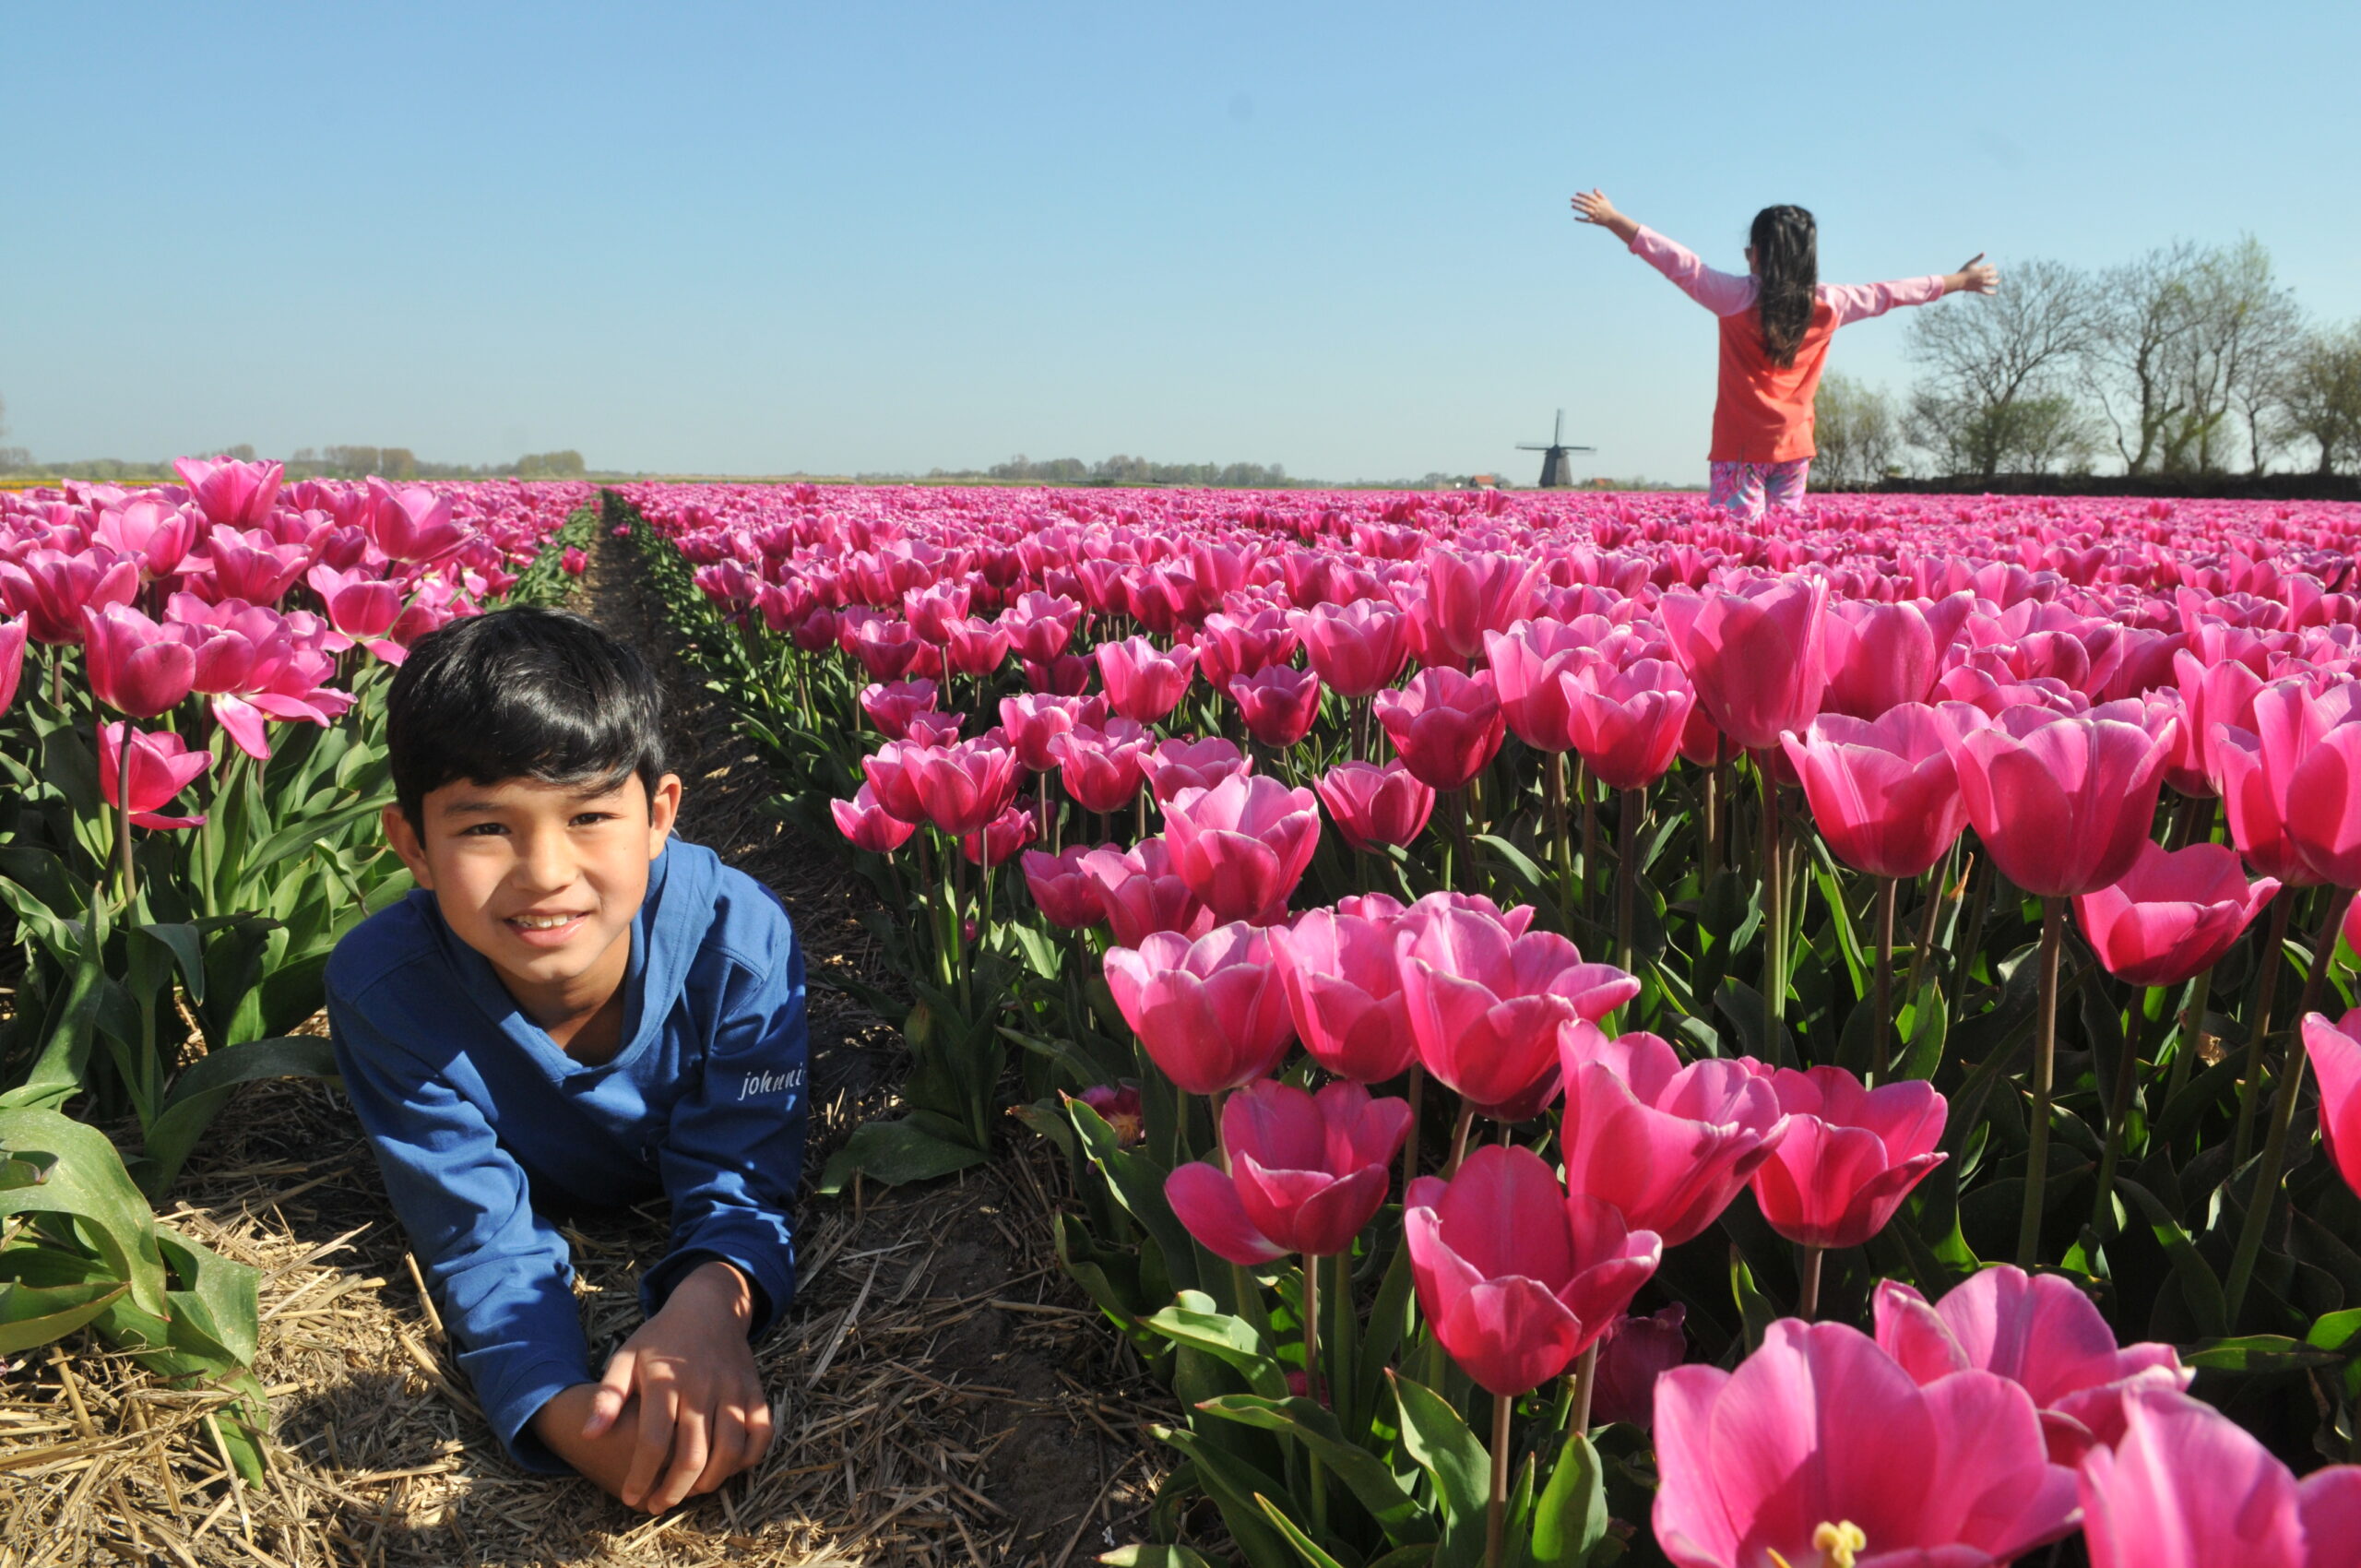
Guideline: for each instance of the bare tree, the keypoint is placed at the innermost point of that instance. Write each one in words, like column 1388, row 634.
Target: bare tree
column 1856, row 431
column 1986, row 358
column 2249, row 325
column 2140, row 315
column 2319, row 396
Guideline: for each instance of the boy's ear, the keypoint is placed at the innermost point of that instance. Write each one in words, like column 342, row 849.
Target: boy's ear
column 405, row 841
column 663, row 807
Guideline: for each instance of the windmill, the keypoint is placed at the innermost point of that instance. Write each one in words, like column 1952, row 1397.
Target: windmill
column 1553, row 461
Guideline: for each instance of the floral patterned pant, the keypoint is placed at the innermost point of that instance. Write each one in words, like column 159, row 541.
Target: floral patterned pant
column 1752, row 489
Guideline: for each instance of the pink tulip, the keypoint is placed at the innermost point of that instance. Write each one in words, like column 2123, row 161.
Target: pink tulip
column 932, row 610
column 1880, row 656
column 1884, row 792
column 1145, row 682
column 1632, row 1353
column 2311, row 752
column 1375, row 805
column 1034, row 720
column 1063, row 889
column 973, row 647
column 2037, row 1331
column 1626, row 723
column 1850, row 1155
column 231, row 495
column 887, row 649
column 1529, row 663
column 1819, row 1449
column 1754, row 654
column 1669, row 1146
column 891, row 707
column 1445, row 726
column 251, row 566
column 1211, row 1012
column 135, row 666
column 965, row 786
column 2186, row 1487
column 1178, row 764
column 162, row 766
column 1461, row 597
column 361, row 610
column 1068, row 675
column 2061, row 803
column 1040, row 625
column 12, row 658
column 1229, row 646
column 1307, row 1172
column 2253, row 810
column 1357, row 648
column 50, row 588
column 1102, row 769
column 1243, row 845
column 869, row 825
column 2336, row 1053
column 1517, row 1276
column 893, row 781
column 2173, row 914
column 1485, row 1006
column 993, row 843
column 1278, row 704
column 1343, row 991
column 411, row 523
column 1142, row 894
column 573, row 562
column 156, row 535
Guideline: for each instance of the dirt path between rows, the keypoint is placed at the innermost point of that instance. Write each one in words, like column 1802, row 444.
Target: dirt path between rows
column 945, row 1396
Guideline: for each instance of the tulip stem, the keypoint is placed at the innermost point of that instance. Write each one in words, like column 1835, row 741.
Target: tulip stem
column 1808, row 1283
column 1553, row 781
column 1927, row 918
column 1979, row 899
column 1459, row 1138
column 2259, row 1026
column 1318, row 1474
column 1340, row 1343
column 1586, row 1387
column 2193, row 1035
column 2044, row 1063
column 1590, row 835
column 1709, row 826
column 2119, row 1112
column 2283, row 1111
column 1775, row 916
column 1882, row 1040
column 122, row 821
column 1496, row 1514
column 1410, row 1143
column 1628, row 806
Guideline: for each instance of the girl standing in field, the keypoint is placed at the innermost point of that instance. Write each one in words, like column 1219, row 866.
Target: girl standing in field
column 1777, row 321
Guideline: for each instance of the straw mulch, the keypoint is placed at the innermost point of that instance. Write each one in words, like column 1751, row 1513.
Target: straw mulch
column 943, row 1395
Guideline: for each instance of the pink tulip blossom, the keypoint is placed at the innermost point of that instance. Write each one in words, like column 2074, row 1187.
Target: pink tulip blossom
column 869, row 825
column 1850, row 1155
column 1753, row 654
column 2335, row 1050
column 1307, row 1172
column 1357, row 648
column 1145, row 682
column 162, row 766
column 1179, row 764
column 1278, row 703
column 1626, row 723
column 2061, row 803
column 1142, row 894
column 1445, row 725
column 135, row 666
column 1884, row 791
column 1063, row 889
column 1343, row 991
column 1375, row 805
column 2174, row 913
column 1242, row 845
column 1211, row 1012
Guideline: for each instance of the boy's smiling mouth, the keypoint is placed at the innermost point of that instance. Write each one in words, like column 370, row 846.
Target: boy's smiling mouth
column 547, row 930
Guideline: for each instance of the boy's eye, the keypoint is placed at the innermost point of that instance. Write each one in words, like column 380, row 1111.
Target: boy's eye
column 591, row 819
column 481, row 830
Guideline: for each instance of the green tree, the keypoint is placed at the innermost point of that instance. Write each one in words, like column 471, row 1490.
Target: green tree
column 1856, row 431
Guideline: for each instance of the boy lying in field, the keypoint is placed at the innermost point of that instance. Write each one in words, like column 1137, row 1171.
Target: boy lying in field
column 571, row 1011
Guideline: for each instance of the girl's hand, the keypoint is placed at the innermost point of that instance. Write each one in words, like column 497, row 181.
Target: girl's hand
column 1976, row 276
column 1592, row 206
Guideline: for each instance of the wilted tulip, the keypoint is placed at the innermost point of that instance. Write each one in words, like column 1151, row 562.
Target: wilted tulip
column 1850, row 1155
column 1669, row 1146
column 1517, row 1276
column 2173, row 914
column 1242, row 845
column 1119, row 1106
column 1445, row 726
column 1819, row 1449
column 2039, row 1332
column 162, row 766
column 1211, row 1012
column 869, row 825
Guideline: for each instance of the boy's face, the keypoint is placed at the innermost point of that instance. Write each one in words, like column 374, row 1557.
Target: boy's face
column 542, row 879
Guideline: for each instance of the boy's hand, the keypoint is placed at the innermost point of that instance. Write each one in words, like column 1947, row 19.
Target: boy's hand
column 1976, row 276
column 680, row 1409
column 1592, row 206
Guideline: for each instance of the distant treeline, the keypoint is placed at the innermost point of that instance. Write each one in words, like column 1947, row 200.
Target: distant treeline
column 1123, row 471
column 307, row 462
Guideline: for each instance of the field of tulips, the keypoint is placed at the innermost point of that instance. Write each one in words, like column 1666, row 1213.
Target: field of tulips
column 1582, row 1032
column 192, row 681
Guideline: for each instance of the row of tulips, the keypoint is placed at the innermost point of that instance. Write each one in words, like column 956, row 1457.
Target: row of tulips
column 191, row 688
column 1844, row 1053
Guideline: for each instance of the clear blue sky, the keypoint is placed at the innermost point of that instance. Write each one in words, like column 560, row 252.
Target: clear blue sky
column 756, row 238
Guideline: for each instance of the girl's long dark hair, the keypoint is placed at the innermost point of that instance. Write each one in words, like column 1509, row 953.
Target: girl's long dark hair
column 1786, row 262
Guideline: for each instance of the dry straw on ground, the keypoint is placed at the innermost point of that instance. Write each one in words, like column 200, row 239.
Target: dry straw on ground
column 944, row 1395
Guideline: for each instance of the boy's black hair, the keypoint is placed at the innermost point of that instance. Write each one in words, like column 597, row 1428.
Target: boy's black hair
column 1786, row 261
column 521, row 693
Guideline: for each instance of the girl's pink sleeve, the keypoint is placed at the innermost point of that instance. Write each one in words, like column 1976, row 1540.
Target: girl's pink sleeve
column 1858, row 301
column 1724, row 294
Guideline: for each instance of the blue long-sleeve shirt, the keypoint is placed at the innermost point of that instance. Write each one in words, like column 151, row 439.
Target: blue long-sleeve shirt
column 476, row 1116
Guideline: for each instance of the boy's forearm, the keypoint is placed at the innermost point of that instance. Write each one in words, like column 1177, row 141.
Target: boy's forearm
column 604, row 1460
